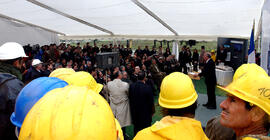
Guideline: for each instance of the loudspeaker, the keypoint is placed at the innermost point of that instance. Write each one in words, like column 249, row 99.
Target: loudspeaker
column 107, row 60
column 192, row 42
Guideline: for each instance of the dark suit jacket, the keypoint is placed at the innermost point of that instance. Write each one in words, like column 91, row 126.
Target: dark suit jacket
column 141, row 102
column 221, row 55
column 209, row 72
column 183, row 57
column 32, row 74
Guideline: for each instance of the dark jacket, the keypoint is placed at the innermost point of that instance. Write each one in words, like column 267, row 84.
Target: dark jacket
column 141, row 103
column 139, row 52
column 156, row 72
column 215, row 131
column 209, row 72
column 127, row 81
column 10, row 86
column 32, row 74
column 7, row 68
column 183, row 57
column 195, row 57
column 221, row 55
column 134, row 77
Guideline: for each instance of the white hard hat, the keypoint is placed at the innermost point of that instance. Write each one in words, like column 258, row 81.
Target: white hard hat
column 11, row 50
column 36, row 62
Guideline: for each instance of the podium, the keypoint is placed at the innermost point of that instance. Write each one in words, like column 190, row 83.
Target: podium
column 192, row 75
column 224, row 77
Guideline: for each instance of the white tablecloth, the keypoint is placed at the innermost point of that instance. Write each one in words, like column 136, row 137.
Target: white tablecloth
column 224, row 77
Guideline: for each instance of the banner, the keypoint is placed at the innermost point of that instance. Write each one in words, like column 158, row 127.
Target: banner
column 251, row 49
column 265, row 37
column 175, row 50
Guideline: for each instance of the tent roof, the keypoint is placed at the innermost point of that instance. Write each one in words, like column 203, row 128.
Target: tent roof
column 142, row 19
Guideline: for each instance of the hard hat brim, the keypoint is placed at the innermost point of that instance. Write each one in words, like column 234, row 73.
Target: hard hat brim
column 244, row 96
column 10, row 58
column 179, row 103
column 37, row 64
column 14, row 120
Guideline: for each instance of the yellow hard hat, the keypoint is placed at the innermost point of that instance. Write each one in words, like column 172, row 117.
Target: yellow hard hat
column 249, row 138
column 62, row 73
column 212, row 51
column 83, row 78
column 70, row 113
column 177, row 91
column 253, row 68
column 252, row 88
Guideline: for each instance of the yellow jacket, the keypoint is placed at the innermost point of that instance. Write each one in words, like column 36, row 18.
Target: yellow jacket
column 173, row 128
column 213, row 56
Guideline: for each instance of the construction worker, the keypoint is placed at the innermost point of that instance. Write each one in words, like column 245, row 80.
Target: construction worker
column 35, row 71
column 71, row 113
column 247, row 107
column 28, row 97
column 62, row 73
column 214, row 130
column 213, row 55
column 178, row 100
column 82, row 78
column 11, row 61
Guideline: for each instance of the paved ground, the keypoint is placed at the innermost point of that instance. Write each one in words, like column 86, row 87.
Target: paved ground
column 202, row 113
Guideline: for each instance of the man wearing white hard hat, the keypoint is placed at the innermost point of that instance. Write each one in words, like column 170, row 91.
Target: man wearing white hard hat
column 11, row 61
column 34, row 71
column 11, row 54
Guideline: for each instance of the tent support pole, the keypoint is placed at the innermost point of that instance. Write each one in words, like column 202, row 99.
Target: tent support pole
column 69, row 16
column 154, row 16
column 155, row 43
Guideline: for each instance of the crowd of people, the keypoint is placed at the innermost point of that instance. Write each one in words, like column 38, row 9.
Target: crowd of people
column 155, row 63
column 64, row 85
column 83, row 58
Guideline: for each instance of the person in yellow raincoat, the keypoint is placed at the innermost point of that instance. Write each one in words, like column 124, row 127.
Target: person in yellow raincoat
column 213, row 55
column 178, row 100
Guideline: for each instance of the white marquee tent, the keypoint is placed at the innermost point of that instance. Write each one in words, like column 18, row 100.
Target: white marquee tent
column 23, row 34
column 265, row 37
column 129, row 19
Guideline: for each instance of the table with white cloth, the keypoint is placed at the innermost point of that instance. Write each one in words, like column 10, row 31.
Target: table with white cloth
column 224, row 77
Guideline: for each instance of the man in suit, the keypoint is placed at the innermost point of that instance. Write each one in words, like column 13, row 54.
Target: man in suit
column 209, row 73
column 183, row 60
column 156, row 73
column 141, row 103
column 221, row 55
column 201, row 59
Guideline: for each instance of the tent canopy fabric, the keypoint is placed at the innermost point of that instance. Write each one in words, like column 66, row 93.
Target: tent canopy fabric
column 12, row 31
column 166, row 19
